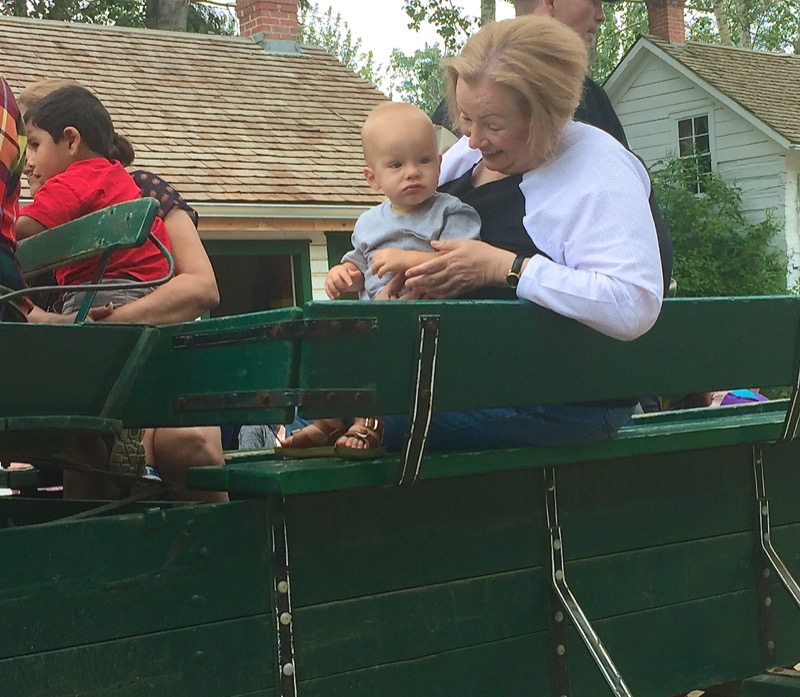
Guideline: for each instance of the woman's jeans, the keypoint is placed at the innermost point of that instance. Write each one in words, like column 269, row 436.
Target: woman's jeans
column 513, row 427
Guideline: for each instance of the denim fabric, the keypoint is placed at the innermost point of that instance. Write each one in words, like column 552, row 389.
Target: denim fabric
column 512, row 427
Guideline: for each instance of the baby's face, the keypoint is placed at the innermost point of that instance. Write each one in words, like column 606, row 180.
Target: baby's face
column 404, row 164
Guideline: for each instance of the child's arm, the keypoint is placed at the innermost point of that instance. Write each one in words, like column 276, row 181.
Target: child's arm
column 344, row 278
column 28, row 227
column 394, row 260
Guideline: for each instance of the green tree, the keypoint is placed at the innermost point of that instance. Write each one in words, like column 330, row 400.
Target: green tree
column 717, row 252
column 418, row 78
column 758, row 24
column 451, row 22
column 334, row 35
column 215, row 18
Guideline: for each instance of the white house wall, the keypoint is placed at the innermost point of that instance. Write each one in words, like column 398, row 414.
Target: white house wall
column 793, row 215
column 658, row 95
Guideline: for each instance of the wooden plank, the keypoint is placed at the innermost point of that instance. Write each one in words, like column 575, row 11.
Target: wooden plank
column 771, row 686
column 511, row 332
column 702, row 429
column 226, row 362
column 220, row 659
column 95, row 354
column 515, row 666
column 96, row 580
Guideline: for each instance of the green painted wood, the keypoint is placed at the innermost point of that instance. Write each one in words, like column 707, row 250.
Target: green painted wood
column 771, row 686
column 219, row 659
column 515, row 666
column 76, row 368
column 703, row 429
column 97, row 580
column 225, row 370
column 120, row 226
column 680, row 354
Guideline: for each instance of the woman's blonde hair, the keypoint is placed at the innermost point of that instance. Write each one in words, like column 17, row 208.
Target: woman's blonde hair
column 540, row 60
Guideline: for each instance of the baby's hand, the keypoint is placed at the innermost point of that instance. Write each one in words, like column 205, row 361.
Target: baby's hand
column 341, row 279
column 391, row 260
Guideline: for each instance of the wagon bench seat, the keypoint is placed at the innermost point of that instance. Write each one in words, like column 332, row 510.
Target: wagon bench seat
column 254, row 473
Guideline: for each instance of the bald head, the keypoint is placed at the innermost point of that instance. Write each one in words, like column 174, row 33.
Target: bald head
column 394, row 121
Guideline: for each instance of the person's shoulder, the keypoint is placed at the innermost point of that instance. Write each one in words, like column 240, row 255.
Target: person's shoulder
column 585, row 147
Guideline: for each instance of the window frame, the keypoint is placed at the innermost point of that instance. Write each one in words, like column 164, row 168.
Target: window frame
column 708, row 113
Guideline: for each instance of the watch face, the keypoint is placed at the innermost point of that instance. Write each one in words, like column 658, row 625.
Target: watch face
column 512, row 280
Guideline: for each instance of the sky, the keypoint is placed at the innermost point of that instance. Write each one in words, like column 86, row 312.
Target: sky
column 383, row 25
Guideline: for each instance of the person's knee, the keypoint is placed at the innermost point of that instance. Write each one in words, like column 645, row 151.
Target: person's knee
column 197, row 446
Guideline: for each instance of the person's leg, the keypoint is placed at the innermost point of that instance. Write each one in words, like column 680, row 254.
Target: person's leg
column 88, row 450
column 513, row 427
column 172, row 451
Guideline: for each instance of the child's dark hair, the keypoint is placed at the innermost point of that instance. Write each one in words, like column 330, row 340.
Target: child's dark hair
column 75, row 106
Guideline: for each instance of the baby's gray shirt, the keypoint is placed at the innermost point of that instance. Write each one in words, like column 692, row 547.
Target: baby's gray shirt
column 442, row 216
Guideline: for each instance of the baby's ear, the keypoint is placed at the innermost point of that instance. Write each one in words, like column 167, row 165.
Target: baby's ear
column 369, row 175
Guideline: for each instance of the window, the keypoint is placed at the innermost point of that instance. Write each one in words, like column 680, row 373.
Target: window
column 694, row 144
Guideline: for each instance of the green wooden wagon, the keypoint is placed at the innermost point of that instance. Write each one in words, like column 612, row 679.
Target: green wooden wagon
column 649, row 565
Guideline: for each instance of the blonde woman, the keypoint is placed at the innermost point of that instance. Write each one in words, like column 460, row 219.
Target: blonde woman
column 566, row 220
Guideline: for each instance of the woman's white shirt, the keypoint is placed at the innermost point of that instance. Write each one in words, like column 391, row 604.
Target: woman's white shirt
column 587, row 209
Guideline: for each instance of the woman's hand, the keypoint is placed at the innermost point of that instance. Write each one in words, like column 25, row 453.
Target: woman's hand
column 461, row 266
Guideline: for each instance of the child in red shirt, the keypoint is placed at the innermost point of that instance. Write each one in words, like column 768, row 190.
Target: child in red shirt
column 73, row 156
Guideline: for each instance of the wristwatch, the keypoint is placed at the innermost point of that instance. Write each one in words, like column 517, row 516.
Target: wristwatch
column 512, row 277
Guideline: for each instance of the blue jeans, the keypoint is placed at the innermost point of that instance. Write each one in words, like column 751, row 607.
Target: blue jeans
column 513, row 427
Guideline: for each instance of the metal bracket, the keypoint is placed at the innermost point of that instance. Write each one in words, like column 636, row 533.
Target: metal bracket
column 283, row 606
column 274, row 399
column 279, row 331
column 769, row 562
column 570, row 605
column 792, row 420
column 422, row 408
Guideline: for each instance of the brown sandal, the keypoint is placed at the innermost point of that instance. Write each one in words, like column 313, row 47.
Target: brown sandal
column 314, row 440
column 369, row 430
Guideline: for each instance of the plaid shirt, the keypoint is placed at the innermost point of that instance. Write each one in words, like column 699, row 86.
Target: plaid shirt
column 12, row 159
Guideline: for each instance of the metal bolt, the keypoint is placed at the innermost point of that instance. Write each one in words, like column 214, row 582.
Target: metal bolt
column 286, row 618
column 764, row 509
column 771, row 645
column 766, row 537
column 283, row 587
column 288, row 669
column 765, row 573
column 767, row 601
column 196, row 601
column 559, row 616
column 556, row 545
column 559, row 575
column 199, row 656
column 561, row 649
column 203, row 553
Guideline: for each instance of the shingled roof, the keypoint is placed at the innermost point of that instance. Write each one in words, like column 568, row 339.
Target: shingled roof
column 765, row 84
column 222, row 118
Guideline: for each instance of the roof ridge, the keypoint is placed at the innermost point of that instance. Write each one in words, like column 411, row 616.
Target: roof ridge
column 707, row 44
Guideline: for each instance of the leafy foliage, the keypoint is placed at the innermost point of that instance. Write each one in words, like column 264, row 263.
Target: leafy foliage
column 450, row 20
column 759, row 24
column 334, row 35
column 418, row 78
column 717, row 252
column 202, row 18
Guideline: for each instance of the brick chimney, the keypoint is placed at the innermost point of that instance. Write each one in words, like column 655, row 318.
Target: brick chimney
column 665, row 18
column 275, row 19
